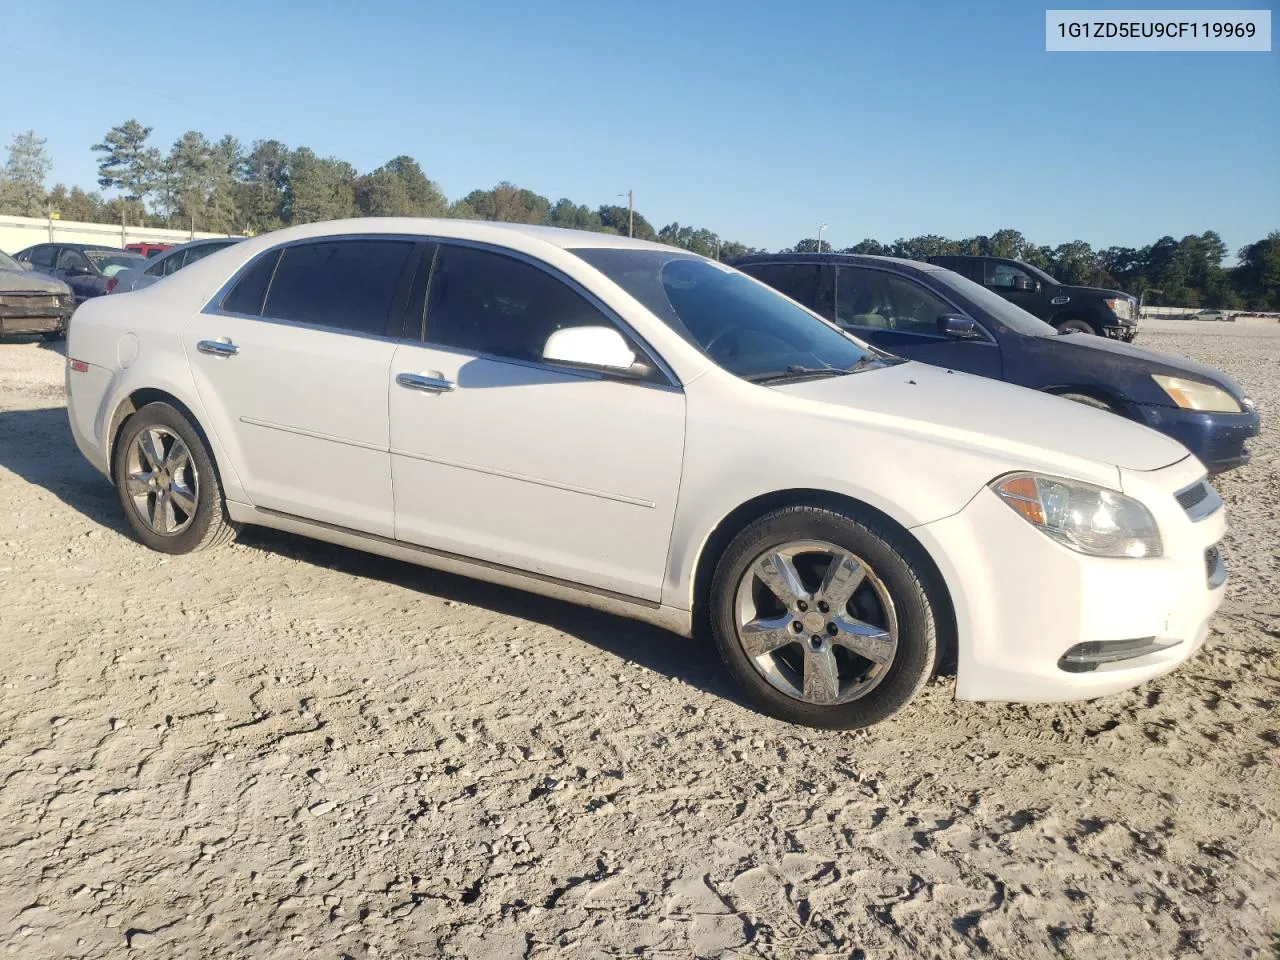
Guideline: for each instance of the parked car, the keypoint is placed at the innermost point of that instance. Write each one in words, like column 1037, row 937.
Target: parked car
column 1107, row 313
column 85, row 267
column 928, row 313
column 32, row 303
column 171, row 261
column 1216, row 315
column 636, row 428
column 148, row 250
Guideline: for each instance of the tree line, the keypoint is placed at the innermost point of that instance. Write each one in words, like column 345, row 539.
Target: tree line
column 223, row 186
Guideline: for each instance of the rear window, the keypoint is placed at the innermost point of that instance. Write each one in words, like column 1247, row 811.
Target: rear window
column 249, row 292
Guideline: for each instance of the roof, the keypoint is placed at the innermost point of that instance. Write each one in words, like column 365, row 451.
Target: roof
column 479, row 230
column 863, row 259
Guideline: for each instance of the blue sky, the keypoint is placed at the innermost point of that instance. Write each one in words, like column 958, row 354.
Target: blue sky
column 754, row 119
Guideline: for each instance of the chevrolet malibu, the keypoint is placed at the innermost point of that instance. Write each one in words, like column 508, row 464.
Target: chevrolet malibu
column 638, row 429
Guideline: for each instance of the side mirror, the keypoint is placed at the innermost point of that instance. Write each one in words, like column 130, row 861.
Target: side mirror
column 599, row 348
column 1023, row 285
column 78, row 270
column 958, row 327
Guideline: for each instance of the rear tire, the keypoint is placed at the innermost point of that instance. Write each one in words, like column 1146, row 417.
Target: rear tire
column 1076, row 325
column 167, row 483
column 822, row 619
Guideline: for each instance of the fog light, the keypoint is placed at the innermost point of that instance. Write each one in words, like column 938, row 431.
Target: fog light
column 1085, row 657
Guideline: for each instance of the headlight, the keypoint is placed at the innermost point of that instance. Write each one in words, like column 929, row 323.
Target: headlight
column 1194, row 395
column 1122, row 307
column 1088, row 519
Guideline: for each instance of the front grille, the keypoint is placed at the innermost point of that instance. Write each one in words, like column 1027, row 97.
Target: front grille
column 28, row 300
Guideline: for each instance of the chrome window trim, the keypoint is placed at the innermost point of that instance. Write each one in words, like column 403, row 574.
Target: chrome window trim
column 213, row 308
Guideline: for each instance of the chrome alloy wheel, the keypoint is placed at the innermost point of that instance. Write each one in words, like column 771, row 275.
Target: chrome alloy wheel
column 816, row 622
column 161, row 478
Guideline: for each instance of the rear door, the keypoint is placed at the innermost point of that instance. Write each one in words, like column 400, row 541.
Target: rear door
column 900, row 315
column 292, row 365
column 511, row 460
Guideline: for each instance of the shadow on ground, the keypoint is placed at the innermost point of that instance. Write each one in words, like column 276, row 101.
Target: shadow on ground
column 37, row 446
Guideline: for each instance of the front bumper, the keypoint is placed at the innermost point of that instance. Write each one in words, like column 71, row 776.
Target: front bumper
column 32, row 315
column 1217, row 439
column 1029, row 609
column 1125, row 332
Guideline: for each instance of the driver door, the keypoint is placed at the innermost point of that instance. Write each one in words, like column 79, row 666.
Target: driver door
column 74, row 270
column 502, row 457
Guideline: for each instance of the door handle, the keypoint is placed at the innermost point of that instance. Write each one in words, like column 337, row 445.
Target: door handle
column 416, row 381
column 218, row 348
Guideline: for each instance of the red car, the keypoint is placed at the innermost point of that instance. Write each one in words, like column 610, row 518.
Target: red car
column 148, row 250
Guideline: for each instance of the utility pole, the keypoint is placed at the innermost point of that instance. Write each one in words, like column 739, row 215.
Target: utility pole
column 631, row 213
column 821, row 227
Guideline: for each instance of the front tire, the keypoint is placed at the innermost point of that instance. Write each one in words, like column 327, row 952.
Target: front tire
column 167, row 483
column 822, row 619
column 1075, row 325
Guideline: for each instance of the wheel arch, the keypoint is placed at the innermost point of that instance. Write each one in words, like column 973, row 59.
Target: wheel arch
column 135, row 401
column 1117, row 402
column 1076, row 313
column 747, row 513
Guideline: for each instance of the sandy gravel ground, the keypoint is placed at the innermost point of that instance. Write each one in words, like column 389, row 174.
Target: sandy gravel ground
column 284, row 749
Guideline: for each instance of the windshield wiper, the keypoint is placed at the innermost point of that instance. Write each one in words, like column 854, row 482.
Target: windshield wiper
column 799, row 372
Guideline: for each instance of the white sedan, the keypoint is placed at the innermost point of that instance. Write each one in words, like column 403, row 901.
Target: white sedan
column 635, row 428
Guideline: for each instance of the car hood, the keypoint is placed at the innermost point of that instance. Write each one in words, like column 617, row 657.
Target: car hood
column 28, row 281
column 1115, row 356
column 1100, row 292
column 995, row 416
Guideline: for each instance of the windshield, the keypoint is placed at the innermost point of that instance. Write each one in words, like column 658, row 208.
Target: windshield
column 740, row 324
column 8, row 263
column 112, row 263
column 1010, row 314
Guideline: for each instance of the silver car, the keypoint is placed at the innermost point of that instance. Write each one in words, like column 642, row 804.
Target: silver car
column 171, row 261
column 32, row 302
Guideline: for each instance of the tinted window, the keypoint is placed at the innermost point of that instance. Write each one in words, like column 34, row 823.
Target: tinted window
column 247, row 295
column 70, row 259
column 741, row 325
column 489, row 303
column 200, row 252
column 1001, row 276
column 43, row 256
column 799, row 281
column 348, row 284
column 160, row 268
column 877, row 299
